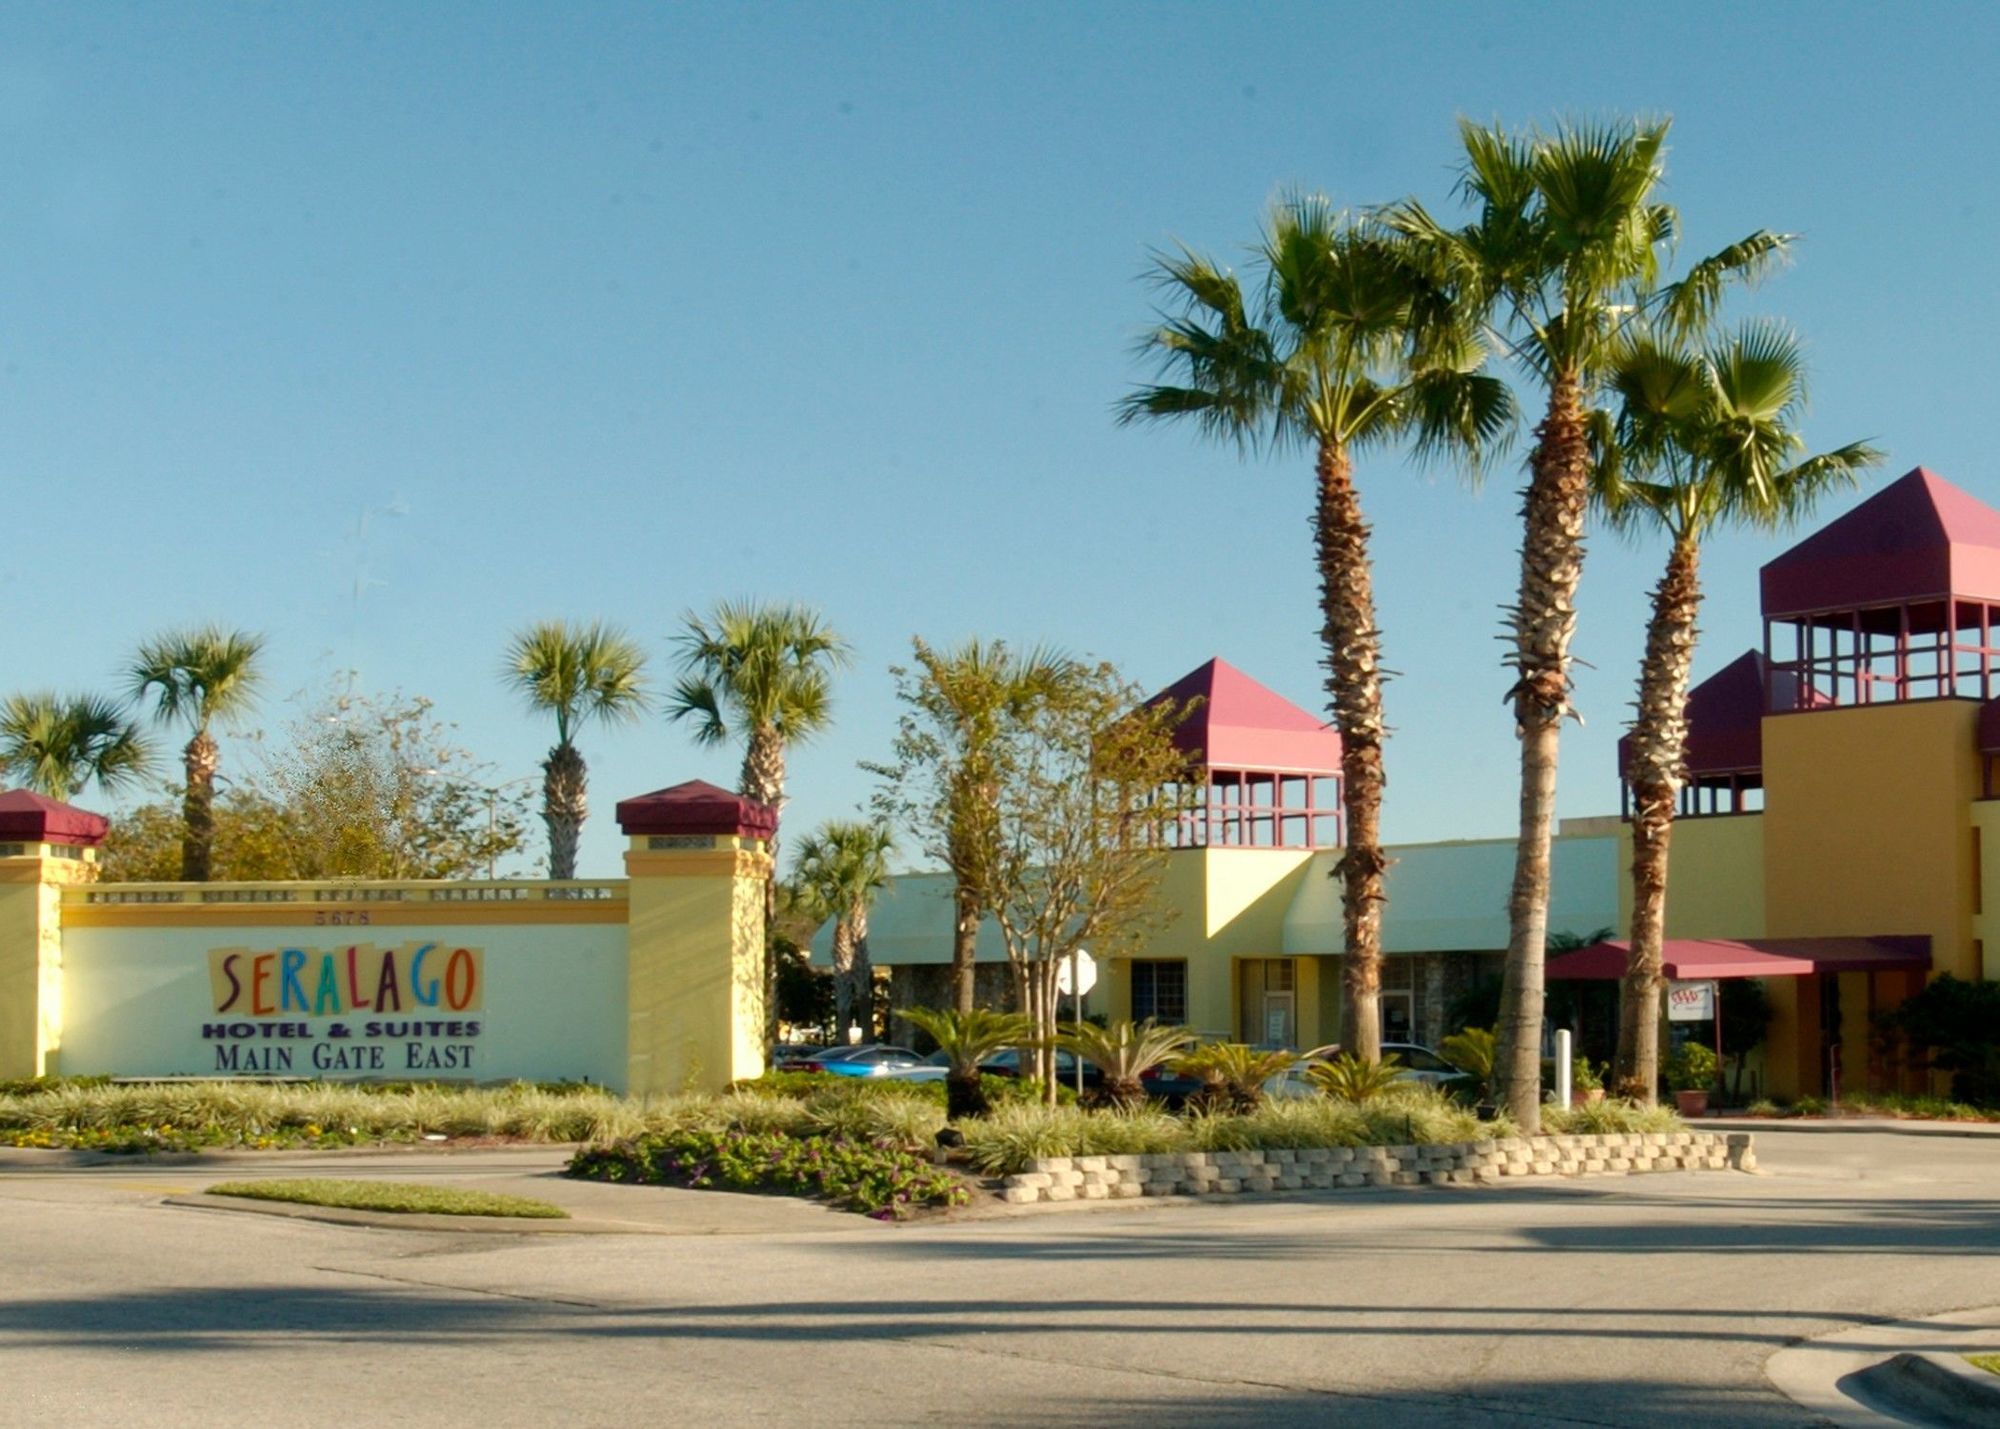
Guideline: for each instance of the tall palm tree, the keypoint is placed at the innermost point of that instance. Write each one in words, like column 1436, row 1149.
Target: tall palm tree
column 1344, row 346
column 965, row 700
column 578, row 673
column 202, row 678
column 57, row 745
column 841, row 866
column 1564, row 253
column 1702, row 438
column 762, row 671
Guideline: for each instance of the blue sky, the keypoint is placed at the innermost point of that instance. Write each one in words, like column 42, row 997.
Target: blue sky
column 387, row 329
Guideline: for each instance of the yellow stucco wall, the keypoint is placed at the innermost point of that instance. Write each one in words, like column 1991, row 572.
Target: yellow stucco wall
column 31, row 961
column 1867, row 830
column 1229, row 904
column 695, row 997
column 1986, row 920
column 1715, row 878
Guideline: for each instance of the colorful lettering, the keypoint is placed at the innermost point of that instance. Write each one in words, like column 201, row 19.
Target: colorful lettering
column 461, row 979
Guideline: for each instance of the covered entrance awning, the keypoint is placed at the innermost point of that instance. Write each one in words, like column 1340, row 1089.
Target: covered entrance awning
column 1700, row 959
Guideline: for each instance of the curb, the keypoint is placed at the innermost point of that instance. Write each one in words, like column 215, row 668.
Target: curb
column 1929, row 1386
column 1823, row 1126
column 408, row 1221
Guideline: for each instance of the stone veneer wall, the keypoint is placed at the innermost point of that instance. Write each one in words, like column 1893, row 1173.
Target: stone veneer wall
column 1203, row 1173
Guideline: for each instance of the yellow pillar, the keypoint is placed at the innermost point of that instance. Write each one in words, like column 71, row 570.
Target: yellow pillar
column 44, row 847
column 695, row 1015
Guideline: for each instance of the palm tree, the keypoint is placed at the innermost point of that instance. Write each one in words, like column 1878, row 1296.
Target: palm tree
column 762, row 671
column 967, row 1039
column 578, row 673
column 1124, row 1052
column 55, row 745
column 841, row 866
column 965, row 702
column 1703, row 437
column 1563, row 254
column 202, row 678
column 1346, row 346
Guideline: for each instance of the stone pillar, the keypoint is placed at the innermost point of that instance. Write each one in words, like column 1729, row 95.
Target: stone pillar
column 45, row 847
column 697, row 861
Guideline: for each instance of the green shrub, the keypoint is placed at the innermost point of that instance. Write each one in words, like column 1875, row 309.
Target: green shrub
column 1808, row 1106
column 1348, row 1078
column 1009, row 1138
column 881, row 1181
column 1691, row 1067
column 1611, row 1116
column 1763, row 1106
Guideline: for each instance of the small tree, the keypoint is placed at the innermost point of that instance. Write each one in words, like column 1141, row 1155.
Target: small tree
column 203, row 679
column 1123, row 1052
column 578, row 673
column 1091, row 782
column 961, row 706
column 841, row 866
column 967, row 1039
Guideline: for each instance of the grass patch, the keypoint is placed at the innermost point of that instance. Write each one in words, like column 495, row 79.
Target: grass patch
column 1989, row 1363
column 399, row 1196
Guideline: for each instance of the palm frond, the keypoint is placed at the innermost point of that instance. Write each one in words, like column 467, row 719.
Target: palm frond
column 1690, row 305
column 198, row 676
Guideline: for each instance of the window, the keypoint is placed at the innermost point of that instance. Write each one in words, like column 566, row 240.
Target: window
column 1159, row 991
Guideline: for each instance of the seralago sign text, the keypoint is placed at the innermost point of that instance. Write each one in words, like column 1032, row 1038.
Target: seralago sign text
column 357, row 1009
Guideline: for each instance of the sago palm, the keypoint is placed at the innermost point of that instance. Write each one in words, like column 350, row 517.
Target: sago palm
column 202, row 679
column 578, row 673
column 1702, row 438
column 1233, row 1075
column 968, row 699
column 1564, row 253
column 58, row 745
column 761, row 672
column 841, row 866
column 967, row 1039
column 1124, row 1052
column 1343, row 346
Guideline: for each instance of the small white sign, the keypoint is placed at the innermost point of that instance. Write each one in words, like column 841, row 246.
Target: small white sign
column 1084, row 966
column 1690, row 1002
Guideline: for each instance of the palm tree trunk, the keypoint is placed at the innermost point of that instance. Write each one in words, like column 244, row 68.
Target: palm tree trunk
column 864, row 976
column 565, row 805
column 201, row 759
column 763, row 779
column 964, row 948
column 1543, row 622
column 1657, row 771
column 1354, row 681
column 843, row 979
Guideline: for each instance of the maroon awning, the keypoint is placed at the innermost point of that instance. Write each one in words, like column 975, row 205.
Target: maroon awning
column 1699, row 959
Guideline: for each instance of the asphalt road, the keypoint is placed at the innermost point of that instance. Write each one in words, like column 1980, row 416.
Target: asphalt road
column 1649, row 1300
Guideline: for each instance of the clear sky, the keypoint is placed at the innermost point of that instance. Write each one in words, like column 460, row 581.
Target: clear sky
column 386, row 329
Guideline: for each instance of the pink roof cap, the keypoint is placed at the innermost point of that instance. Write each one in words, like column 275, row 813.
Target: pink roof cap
column 1241, row 724
column 696, row 808
column 27, row 817
column 1918, row 538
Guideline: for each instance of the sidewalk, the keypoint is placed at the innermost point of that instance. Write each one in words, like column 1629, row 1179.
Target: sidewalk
column 1885, row 1125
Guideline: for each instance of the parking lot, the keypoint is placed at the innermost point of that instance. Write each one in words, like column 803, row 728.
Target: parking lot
column 1653, row 1299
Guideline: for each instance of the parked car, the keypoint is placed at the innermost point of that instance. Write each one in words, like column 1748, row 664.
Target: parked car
column 1418, row 1064
column 871, row 1059
column 784, row 1052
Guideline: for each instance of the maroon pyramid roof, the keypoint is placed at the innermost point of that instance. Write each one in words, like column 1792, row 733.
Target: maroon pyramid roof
column 1241, row 724
column 27, row 817
column 1919, row 538
column 1725, row 718
column 697, row 807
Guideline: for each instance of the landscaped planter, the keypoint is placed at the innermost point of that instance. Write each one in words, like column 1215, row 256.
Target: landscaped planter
column 1207, row 1173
